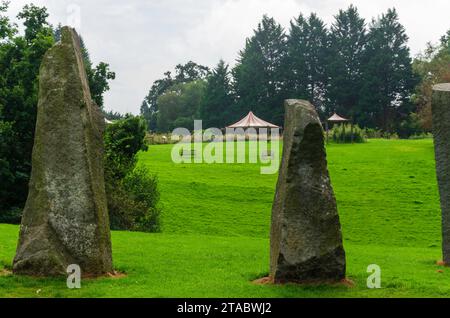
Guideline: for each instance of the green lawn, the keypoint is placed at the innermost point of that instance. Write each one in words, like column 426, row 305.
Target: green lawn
column 216, row 223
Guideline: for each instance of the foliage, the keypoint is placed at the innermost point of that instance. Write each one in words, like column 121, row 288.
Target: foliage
column 410, row 126
column 433, row 67
column 179, row 105
column 20, row 59
column 112, row 115
column 132, row 194
column 361, row 71
column 308, row 48
column 388, row 77
column 346, row 133
column 348, row 38
column 216, row 105
column 99, row 78
column 133, row 202
column 372, row 133
column 123, row 140
column 186, row 73
column 259, row 74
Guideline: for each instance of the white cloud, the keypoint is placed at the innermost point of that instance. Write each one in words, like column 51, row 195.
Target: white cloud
column 142, row 39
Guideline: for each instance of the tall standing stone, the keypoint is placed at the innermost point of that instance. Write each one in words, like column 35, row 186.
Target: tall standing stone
column 441, row 131
column 65, row 220
column 306, row 241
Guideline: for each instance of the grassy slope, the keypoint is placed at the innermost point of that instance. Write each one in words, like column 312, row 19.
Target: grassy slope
column 217, row 219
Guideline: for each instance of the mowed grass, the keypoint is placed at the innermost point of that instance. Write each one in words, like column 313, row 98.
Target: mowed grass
column 216, row 225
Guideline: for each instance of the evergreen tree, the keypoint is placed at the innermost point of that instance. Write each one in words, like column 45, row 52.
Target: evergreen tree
column 307, row 51
column 388, row 77
column 217, row 102
column 347, row 45
column 260, row 75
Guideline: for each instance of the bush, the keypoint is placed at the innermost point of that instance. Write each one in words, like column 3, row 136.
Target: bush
column 345, row 133
column 371, row 133
column 123, row 140
column 143, row 188
column 409, row 126
column 133, row 203
column 132, row 194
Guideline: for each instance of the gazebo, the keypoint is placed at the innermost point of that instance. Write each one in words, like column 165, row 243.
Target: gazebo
column 334, row 119
column 252, row 121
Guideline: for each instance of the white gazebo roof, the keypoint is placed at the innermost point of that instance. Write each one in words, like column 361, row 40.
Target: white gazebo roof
column 252, row 121
column 337, row 119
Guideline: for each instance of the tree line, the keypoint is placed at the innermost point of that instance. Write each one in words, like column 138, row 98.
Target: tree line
column 362, row 70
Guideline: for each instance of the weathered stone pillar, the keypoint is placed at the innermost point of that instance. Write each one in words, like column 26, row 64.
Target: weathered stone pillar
column 65, row 220
column 441, row 132
column 306, row 241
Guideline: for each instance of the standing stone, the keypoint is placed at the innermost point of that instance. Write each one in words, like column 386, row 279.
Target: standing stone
column 65, row 220
column 441, row 131
column 306, row 240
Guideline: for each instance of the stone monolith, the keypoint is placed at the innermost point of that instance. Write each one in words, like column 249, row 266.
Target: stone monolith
column 441, row 131
column 65, row 220
column 306, row 240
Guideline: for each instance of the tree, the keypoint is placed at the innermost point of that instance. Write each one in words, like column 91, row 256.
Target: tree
column 99, row 78
column 179, row 106
column 20, row 59
column 433, row 67
column 190, row 72
column 35, row 21
column 259, row 76
column 186, row 73
column 347, row 45
column 307, row 57
column 216, row 105
column 388, row 79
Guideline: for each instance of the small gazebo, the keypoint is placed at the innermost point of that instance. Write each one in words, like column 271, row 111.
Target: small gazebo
column 335, row 119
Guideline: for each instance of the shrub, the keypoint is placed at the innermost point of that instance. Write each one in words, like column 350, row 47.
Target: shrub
column 409, row 126
column 123, row 140
column 143, row 188
column 132, row 194
column 371, row 133
column 345, row 133
column 134, row 203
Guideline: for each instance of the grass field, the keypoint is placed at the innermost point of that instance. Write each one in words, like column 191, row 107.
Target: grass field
column 216, row 224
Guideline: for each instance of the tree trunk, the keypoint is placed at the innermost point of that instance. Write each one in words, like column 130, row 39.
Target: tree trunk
column 441, row 132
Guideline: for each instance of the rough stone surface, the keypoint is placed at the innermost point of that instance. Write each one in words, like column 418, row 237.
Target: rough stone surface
column 306, row 240
column 65, row 220
column 441, row 132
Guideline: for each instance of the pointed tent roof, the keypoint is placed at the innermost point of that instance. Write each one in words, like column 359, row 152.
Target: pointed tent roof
column 336, row 118
column 251, row 121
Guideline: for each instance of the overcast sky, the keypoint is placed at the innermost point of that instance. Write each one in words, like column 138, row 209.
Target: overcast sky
column 141, row 39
